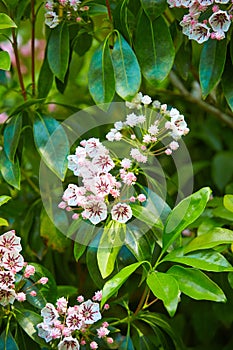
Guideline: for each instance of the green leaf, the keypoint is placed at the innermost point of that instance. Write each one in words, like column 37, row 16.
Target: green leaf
column 11, row 136
column 210, row 239
column 111, row 241
column 45, row 80
column 10, row 171
column 82, row 43
column 183, row 59
column 227, row 83
column 126, row 68
column 127, row 344
column 113, row 285
column 196, row 284
column 222, row 168
column 204, row 260
column 141, row 245
column 101, row 79
column 28, row 320
column 212, row 61
column 7, row 342
column 4, row 199
column 156, row 53
column 53, row 237
column 5, row 60
column 154, row 8
column 186, row 212
column 165, row 288
column 66, row 291
column 228, row 202
column 52, row 144
column 6, row 22
column 3, row 222
column 145, row 215
column 59, row 50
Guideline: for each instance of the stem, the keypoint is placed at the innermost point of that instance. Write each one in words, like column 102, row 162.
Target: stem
column 109, row 10
column 33, row 21
column 30, row 182
column 16, row 52
column 141, row 302
column 226, row 118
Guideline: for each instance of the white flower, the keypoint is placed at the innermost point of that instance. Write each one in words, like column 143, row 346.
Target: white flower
column 73, row 164
column 110, row 136
column 74, row 321
column 102, row 186
column 135, row 153
column 118, row 136
column 126, row 163
column 174, row 145
column 68, row 343
column 73, row 195
column 146, row 100
column 95, row 211
column 94, row 147
column 7, row 296
column 131, row 119
column 13, row 261
column 103, row 162
column 121, row 212
column 74, row 4
column 200, row 32
column 118, row 125
column 146, row 138
column 156, row 104
column 49, row 313
column 51, row 19
column 44, row 331
column 102, row 332
column 90, row 312
column 6, row 279
column 135, row 103
column 153, row 129
column 9, row 242
column 220, row 21
column 141, row 119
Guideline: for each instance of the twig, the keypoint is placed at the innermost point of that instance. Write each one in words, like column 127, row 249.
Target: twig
column 33, row 20
column 141, row 302
column 109, row 10
column 20, row 76
column 226, row 118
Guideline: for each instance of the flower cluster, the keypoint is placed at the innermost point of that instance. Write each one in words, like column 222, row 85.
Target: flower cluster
column 11, row 264
column 72, row 326
column 206, row 18
column 101, row 191
column 57, row 9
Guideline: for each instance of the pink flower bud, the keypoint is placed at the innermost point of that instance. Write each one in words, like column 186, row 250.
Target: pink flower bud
column 83, row 342
column 106, row 306
column 109, row 340
column 132, row 199
column 33, row 293
column 21, row 296
column 62, row 205
column 80, row 298
column 43, row 280
column 93, row 345
column 75, row 216
column 29, row 271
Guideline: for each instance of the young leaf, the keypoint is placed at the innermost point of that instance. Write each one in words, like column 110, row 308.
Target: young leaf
column 154, row 8
column 165, row 288
column 3, row 222
column 59, row 50
column 5, row 60
column 196, row 284
column 114, row 284
column 111, row 241
column 126, row 68
column 212, row 61
column 210, row 239
column 11, row 136
column 52, row 143
column 156, row 53
column 6, row 22
column 10, row 171
column 204, row 260
column 228, row 202
column 101, row 79
column 4, row 199
column 186, row 212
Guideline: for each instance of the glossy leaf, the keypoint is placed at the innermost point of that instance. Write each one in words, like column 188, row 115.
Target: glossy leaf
column 210, row 240
column 140, row 244
column 4, row 199
column 113, row 285
column 127, row 344
column 222, row 168
column 204, row 260
column 5, row 60
column 227, row 83
column 228, row 202
column 28, row 320
column 7, row 341
column 111, row 241
column 53, row 237
column 126, row 68
column 3, row 222
column 101, row 79
column 52, row 144
column 183, row 59
column 58, row 50
column 196, row 284
column 6, row 21
column 165, row 288
column 212, row 61
column 146, row 216
column 154, row 8
column 82, row 43
column 45, row 80
column 10, row 171
column 11, row 136
column 186, row 212
column 156, row 53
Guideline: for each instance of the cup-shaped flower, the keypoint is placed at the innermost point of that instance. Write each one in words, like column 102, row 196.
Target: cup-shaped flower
column 49, row 313
column 9, row 242
column 13, row 261
column 69, row 343
column 220, row 21
column 89, row 312
column 121, row 212
column 95, row 211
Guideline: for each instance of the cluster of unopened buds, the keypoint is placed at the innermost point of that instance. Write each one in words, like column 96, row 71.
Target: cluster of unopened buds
column 206, row 18
column 14, row 272
column 72, row 326
column 57, row 10
column 103, row 192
